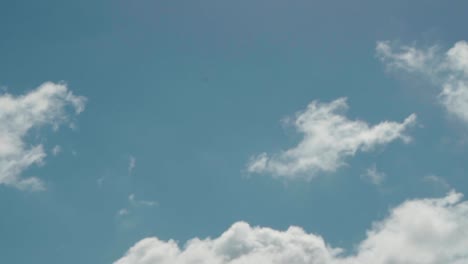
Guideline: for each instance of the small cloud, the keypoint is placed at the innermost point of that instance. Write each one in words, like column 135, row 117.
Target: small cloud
column 100, row 181
column 437, row 181
column 131, row 164
column 122, row 212
column 373, row 175
column 56, row 150
column 133, row 201
column 329, row 139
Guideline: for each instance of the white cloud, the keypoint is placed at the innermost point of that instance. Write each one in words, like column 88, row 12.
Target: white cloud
column 423, row 231
column 131, row 164
column 448, row 70
column 373, row 175
column 329, row 138
column 46, row 105
column 409, row 58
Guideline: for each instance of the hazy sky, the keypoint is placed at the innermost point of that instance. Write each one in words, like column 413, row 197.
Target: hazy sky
column 148, row 124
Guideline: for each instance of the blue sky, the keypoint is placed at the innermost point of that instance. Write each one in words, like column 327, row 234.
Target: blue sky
column 179, row 119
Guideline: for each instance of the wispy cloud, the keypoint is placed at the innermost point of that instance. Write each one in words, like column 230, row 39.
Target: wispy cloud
column 46, row 105
column 131, row 164
column 123, row 211
column 134, row 203
column 373, row 175
column 449, row 70
column 329, row 137
column 56, row 150
column 437, row 182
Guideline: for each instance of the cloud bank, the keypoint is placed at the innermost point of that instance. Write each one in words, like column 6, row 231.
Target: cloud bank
column 449, row 70
column 422, row 231
column 49, row 104
column 329, row 138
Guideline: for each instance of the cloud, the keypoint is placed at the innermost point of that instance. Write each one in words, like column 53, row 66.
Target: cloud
column 131, row 164
column 422, row 231
column 49, row 104
column 134, row 202
column 437, row 181
column 329, row 138
column 56, row 150
column 449, row 70
column 409, row 58
column 122, row 212
column 373, row 175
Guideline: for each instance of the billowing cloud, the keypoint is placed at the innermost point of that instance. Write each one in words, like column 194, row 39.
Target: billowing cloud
column 449, row 70
column 49, row 104
column 422, row 231
column 329, row 137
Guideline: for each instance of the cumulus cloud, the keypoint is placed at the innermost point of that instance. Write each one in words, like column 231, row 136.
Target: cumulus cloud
column 422, row 231
column 329, row 137
column 49, row 104
column 449, row 70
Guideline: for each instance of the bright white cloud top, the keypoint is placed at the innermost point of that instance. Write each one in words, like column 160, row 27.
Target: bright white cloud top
column 422, row 231
column 49, row 104
column 447, row 69
column 329, row 138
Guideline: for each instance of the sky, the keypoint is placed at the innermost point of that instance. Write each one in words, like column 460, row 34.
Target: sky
column 233, row 132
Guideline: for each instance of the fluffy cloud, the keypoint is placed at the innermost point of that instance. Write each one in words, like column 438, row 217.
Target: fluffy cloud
column 449, row 70
column 423, row 231
column 329, row 138
column 46, row 105
column 240, row 244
